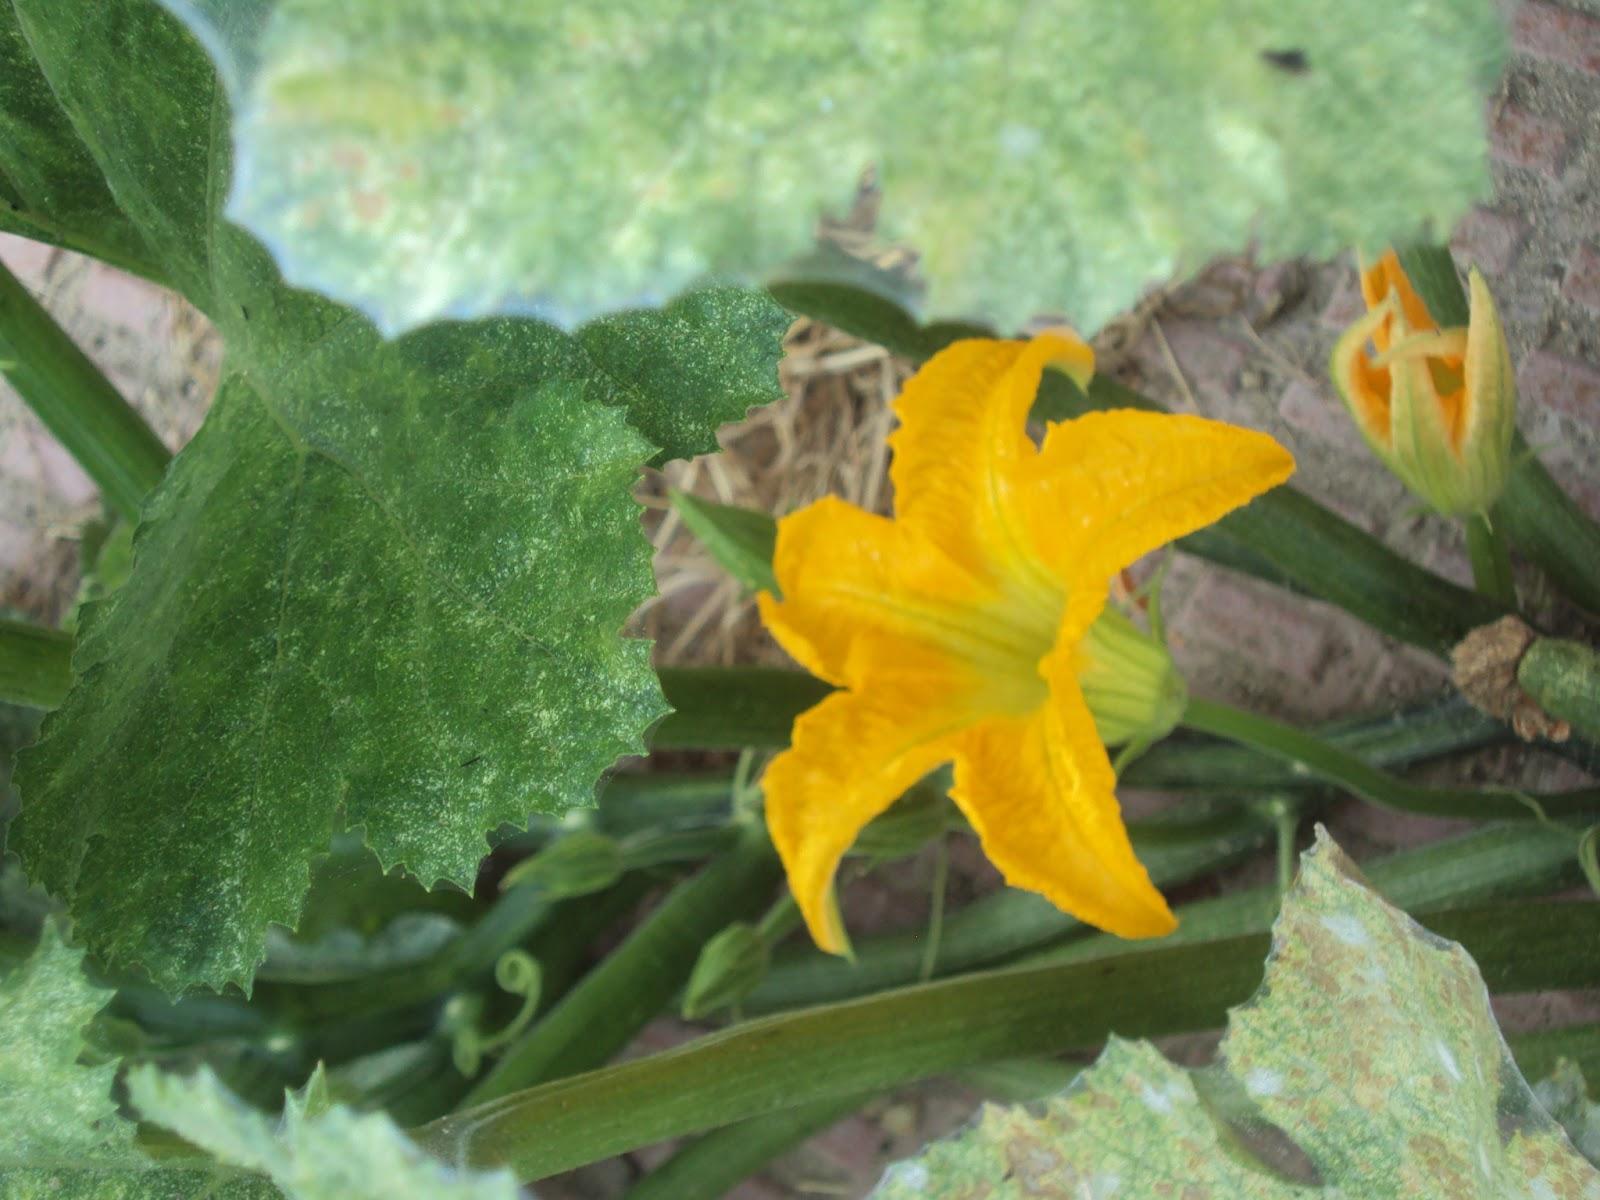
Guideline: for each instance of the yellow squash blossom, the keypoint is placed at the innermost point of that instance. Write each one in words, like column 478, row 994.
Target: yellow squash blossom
column 1438, row 406
column 956, row 630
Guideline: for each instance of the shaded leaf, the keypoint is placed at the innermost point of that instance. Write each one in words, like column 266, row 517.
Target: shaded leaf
column 317, row 1151
column 383, row 587
column 63, row 1138
column 421, row 159
column 1367, row 1065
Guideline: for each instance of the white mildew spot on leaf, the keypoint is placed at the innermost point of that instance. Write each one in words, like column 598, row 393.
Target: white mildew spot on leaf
column 1342, row 1059
column 1347, row 928
column 422, row 158
column 1262, row 1082
column 1449, row 1061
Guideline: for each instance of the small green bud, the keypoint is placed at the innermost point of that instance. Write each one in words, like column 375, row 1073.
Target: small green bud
column 1133, row 690
column 731, row 965
column 577, row 864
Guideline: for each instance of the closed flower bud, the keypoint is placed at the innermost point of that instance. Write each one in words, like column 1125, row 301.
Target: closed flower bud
column 1438, row 406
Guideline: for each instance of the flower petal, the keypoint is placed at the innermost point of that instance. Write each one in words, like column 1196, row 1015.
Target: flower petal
column 1041, row 794
column 853, row 755
column 1109, row 487
column 854, row 582
column 1386, row 276
column 1363, row 386
column 962, row 445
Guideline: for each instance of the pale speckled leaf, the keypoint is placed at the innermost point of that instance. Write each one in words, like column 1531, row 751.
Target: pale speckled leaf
column 382, row 588
column 62, row 1137
column 316, row 1151
column 427, row 157
column 57, row 1112
column 1370, row 1047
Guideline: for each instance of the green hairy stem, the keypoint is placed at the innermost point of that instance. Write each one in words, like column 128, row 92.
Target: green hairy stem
column 76, row 402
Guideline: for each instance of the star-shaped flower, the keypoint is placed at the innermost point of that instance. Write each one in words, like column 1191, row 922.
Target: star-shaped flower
column 957, row 630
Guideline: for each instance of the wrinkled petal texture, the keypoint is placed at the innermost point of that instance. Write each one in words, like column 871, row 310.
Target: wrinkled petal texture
column 962, row 453
column 852, row 756
column 1109, row 487
column 859, row 587
column 1041, row 793
column 953, row 628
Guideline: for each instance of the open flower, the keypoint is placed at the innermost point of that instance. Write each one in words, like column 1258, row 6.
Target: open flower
column 956, row 630
column 1438, row 406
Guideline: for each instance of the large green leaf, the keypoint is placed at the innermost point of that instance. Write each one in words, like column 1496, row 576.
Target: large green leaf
column 50, row 187
column 317, row 1151
column 419, row 158
column 382, row 588
column 1368, row 1066
column 62, row 1137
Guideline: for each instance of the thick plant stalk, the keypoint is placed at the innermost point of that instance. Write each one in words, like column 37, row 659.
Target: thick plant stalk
column 896, row 1037
column 35, row 664
column 639, row 979
column 76, row 402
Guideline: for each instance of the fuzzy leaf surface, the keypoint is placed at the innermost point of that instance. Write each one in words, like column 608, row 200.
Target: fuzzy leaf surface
column 1367, row 1067
column 420, row 158
column 382, row 588
column 316, row 1151
column 63, row 1138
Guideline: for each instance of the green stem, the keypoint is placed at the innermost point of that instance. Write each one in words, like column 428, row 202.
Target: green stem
column 1389, row 739
column 1491, row 561
column 897, row 1037
column 1321, row 759
column 1285, row 816
column 76, row 402
column 35, row 664
column 1564, row 678
column 638, row 979
column 714, row 1164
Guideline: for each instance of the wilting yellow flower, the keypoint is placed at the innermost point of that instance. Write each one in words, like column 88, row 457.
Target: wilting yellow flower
column 957, row 629
column 1438, row 406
